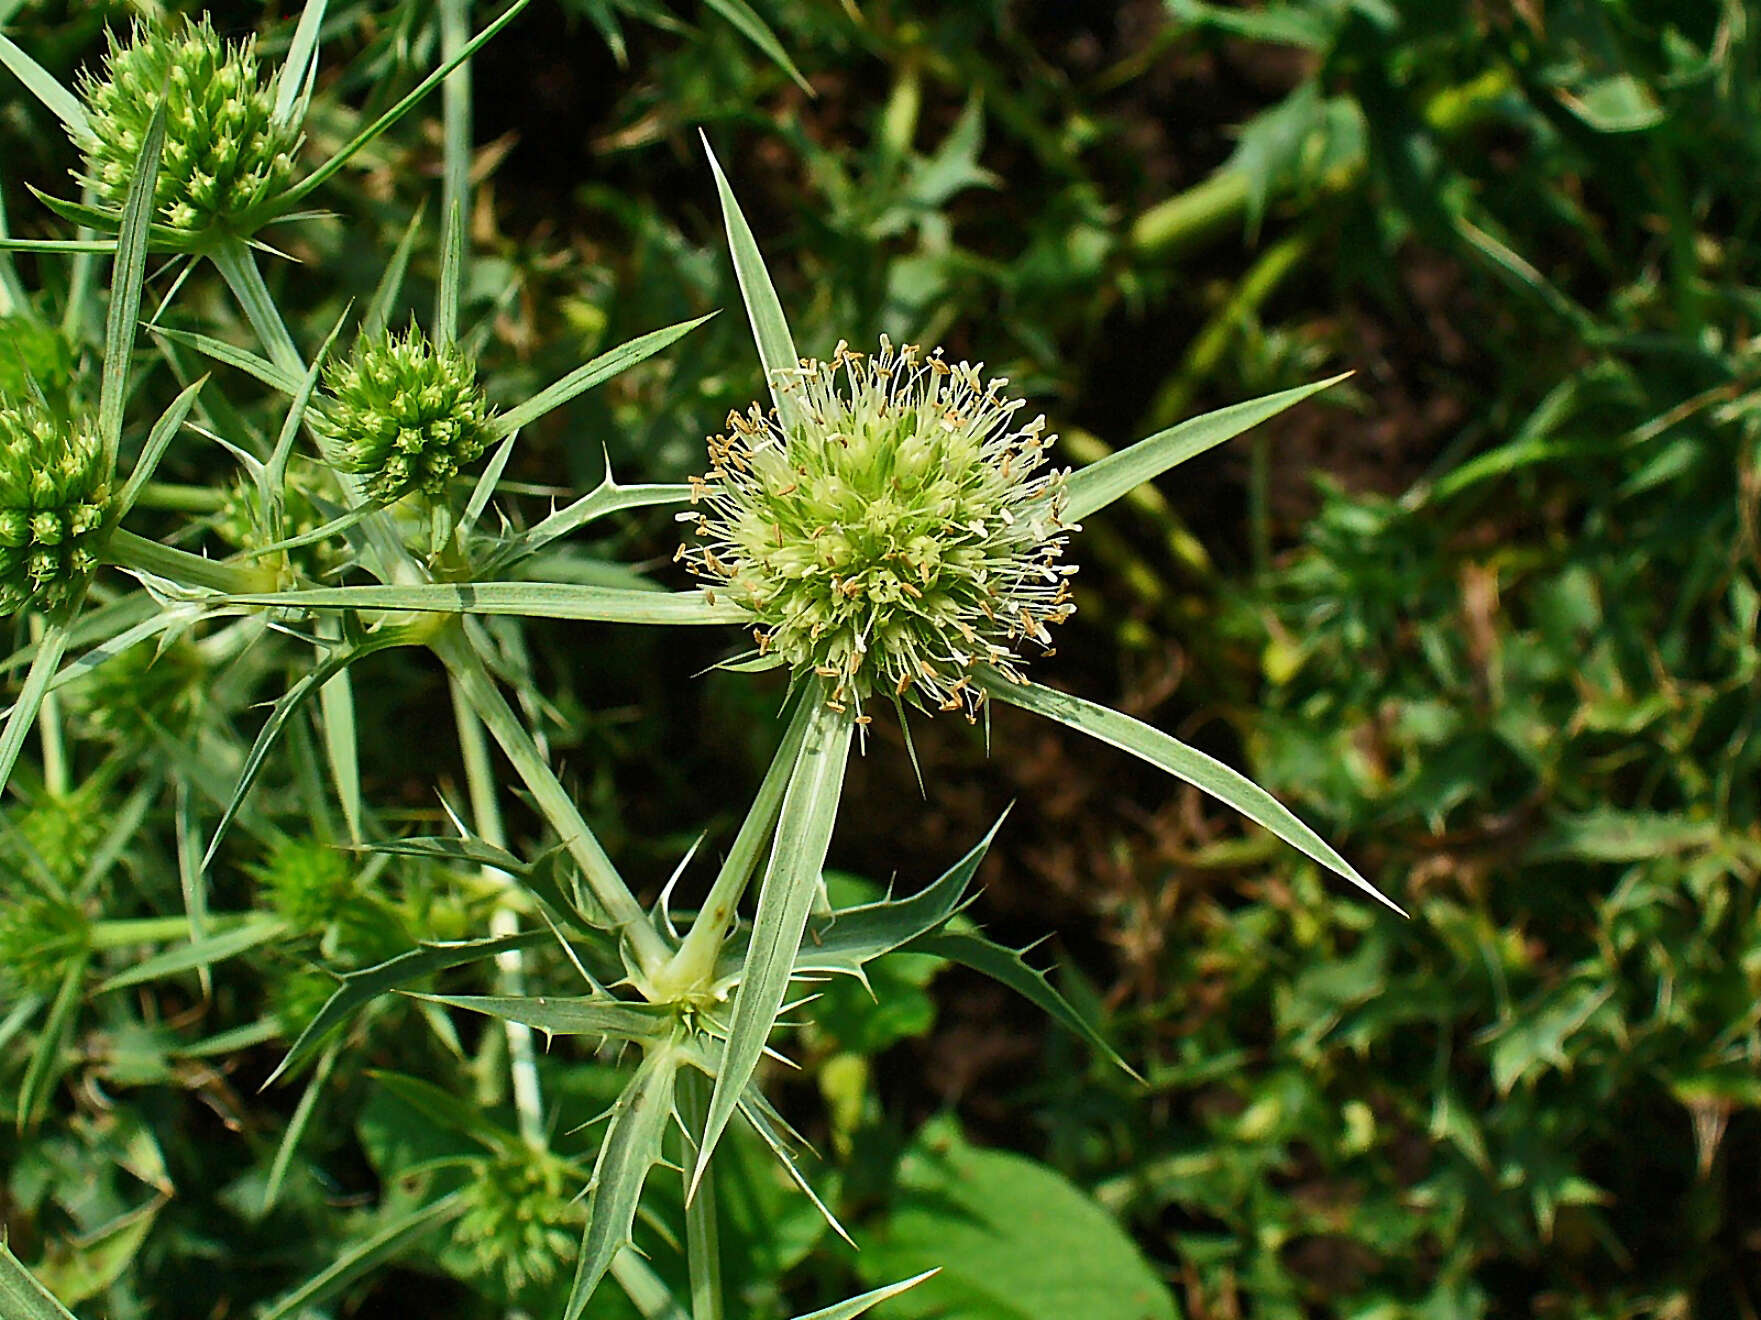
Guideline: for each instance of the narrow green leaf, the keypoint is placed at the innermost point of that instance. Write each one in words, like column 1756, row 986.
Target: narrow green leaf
column 391, row 283
column 128, row 273
column 336, row 706
column 204, row 952
column 369, row 983
column 43, row 85
column 158, row 439
column 589, row 374
column 857, row 1305
column 770, row 328
column 245, row 360
column 791, row 880
column 45, row 1066
column 50, row 648
column 584, row 1015
column 356, row 1261
column 604, row 499
column 301, row 64
column 1094, row 487
column 296, row 1130
column 758, row 32
column 703, row 1253
column 398, row 111
column 632, row 1147
column 1007, row 967
column 452, row 274
column 534, row 600
column 1201, row 771
column 283, row 710
column 21, row 1296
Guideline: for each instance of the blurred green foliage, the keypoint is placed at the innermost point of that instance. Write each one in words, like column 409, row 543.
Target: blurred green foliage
column 1505, row 645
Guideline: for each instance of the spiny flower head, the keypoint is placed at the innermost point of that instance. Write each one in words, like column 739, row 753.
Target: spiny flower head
column 224, row 155
column 403, row 413
column 519, row 1220
column 53, row 500
column 897, row 531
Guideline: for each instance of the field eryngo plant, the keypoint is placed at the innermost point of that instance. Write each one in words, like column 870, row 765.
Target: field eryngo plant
column 885, row 527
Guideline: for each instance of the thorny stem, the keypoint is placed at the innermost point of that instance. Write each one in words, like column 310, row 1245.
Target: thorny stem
column 702, row 1240
column 618, row 904
column 510, row 966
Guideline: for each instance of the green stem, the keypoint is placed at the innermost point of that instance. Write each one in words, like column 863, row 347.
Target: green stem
column 510, row 965
column 702, row 1235
column 619, row 905
column 238, row 267
column 176, row 498
column 126, row 550
column 49, row 729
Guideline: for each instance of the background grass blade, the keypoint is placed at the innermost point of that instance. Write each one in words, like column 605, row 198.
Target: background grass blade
column 849, row 1310
column 45, row 87
column 21, row 1296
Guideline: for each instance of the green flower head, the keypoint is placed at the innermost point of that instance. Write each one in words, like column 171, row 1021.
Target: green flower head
column 520, row 1222
column 53, row 500
column 904, row 530
column 308, row 883
column 402, row 413
column 40, row 938
column 225, row 156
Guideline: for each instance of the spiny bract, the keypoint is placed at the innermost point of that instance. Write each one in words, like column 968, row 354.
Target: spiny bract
column 899, row 531
column 402, row 413
column 225, row 156
column 53, row 498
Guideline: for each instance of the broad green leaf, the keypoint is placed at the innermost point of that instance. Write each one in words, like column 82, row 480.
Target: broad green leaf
column 128, row 273
column 363, row 1256
column 1094, row 487
column 849, row 1310
column 43, row 85
column 1201, row 771
column 1015, row 1240
column 632, row 1147
column 533, row 600
column 1007, row 967
column 589, row 374
column 770, row 328
column 445, row 1110
column 369, row 983
column 758, row 32
column 21, row 1296
column 305, row 186
column 204, row 952
column 583, row 1015
column 791, row 880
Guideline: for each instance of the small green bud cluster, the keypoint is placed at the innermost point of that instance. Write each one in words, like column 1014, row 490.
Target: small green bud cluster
column 519, row 1220
column 896, row 533
column 35, row 357
column 53, row 500
column 309, row 884
column 40, row 938
column 225, row 156
column 241, row 525
column 402, row 413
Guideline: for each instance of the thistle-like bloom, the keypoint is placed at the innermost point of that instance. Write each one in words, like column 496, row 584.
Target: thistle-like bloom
column 402, row 413
column 899, row 530
column 225, row 155
column 53, row 499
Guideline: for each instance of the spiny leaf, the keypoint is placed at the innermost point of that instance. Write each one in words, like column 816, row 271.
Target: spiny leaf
column 583, row 1015
column 533, row 600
